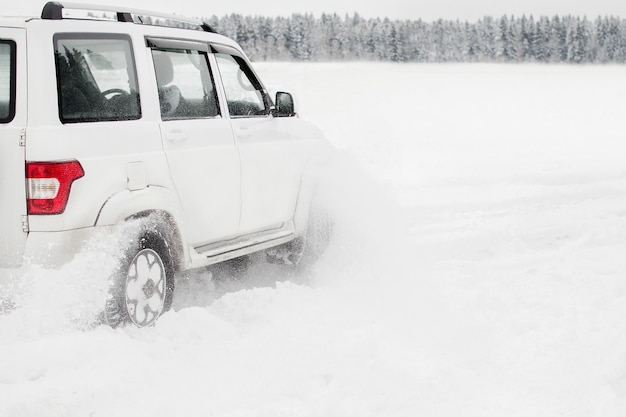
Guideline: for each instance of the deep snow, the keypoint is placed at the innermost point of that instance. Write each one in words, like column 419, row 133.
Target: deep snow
column 477, row 268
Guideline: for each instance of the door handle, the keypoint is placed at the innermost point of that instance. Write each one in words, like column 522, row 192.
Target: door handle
column 243, row 132
column 176, row 137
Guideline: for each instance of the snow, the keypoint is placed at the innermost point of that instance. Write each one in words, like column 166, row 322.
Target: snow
column 477, row 268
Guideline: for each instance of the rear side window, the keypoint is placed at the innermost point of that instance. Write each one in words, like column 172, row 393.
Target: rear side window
column 96, row 78
column 185, row 84
column 7, row 81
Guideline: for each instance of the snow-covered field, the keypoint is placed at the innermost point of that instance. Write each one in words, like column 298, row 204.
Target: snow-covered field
column 478, row 269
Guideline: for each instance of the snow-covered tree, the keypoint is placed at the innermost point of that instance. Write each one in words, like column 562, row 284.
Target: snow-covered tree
column 330, row 37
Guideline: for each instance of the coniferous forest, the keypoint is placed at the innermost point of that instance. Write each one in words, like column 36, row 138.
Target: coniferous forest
column 329, row 37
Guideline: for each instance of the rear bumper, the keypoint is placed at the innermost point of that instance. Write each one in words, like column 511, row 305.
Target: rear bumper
column 55, row 249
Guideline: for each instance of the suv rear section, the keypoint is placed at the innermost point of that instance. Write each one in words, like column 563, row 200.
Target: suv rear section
column 72, row 135
column 88, row 133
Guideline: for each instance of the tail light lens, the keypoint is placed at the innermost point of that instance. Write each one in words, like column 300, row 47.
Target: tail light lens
column 49, row 185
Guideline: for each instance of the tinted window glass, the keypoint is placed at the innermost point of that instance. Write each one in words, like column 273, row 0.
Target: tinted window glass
column 96, row 78
column 7, row 81
column 185, row 84
column 244, row 93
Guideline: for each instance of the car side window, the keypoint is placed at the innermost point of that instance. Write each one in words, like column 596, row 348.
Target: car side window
column 7, row 81
column 96, row 78
column 185, row 84
column 244, row 93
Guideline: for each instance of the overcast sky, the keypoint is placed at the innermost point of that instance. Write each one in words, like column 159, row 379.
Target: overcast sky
column 396, row 9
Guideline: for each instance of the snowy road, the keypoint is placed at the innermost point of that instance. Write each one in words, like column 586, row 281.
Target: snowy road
column 477, row 269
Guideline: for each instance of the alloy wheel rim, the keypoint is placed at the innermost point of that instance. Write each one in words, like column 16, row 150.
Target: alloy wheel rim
column 145, row 288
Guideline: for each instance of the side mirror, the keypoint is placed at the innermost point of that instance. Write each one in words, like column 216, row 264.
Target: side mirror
column 284, row 105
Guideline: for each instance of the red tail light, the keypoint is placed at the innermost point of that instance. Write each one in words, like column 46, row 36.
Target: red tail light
column 49, row 185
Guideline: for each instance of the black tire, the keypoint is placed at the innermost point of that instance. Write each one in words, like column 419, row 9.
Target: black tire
column 318, row 235
column 142, row 288
column 305, row 250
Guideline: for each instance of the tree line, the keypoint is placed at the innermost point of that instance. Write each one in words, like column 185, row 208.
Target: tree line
column 329, row 37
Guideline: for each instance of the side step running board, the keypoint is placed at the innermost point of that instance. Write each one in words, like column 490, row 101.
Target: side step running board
column 222, row 252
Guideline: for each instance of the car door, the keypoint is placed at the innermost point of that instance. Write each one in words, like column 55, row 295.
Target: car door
column 12, row 151
column 270, row 175
column 198, row 141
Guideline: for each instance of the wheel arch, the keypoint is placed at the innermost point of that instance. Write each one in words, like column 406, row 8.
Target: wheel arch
column 156, row 204
column 166, row 227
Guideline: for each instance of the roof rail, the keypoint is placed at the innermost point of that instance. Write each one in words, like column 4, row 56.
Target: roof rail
column 55, row 11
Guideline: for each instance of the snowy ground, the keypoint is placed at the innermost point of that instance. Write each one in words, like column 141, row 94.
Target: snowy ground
column 477, row 269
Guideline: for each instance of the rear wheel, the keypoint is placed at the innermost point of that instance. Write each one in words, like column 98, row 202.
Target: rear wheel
column 143, row 287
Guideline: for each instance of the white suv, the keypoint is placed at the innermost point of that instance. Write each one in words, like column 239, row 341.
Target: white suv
column 110, row 116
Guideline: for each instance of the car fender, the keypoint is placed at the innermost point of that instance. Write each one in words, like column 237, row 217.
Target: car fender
column 303, row 204
column 316, row 153
column 311, row 191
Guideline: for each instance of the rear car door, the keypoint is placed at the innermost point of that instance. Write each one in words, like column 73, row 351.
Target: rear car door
column 12, row 125
column 198, row 141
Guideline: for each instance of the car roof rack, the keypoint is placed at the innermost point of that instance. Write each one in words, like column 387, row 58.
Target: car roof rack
column 57, row 11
